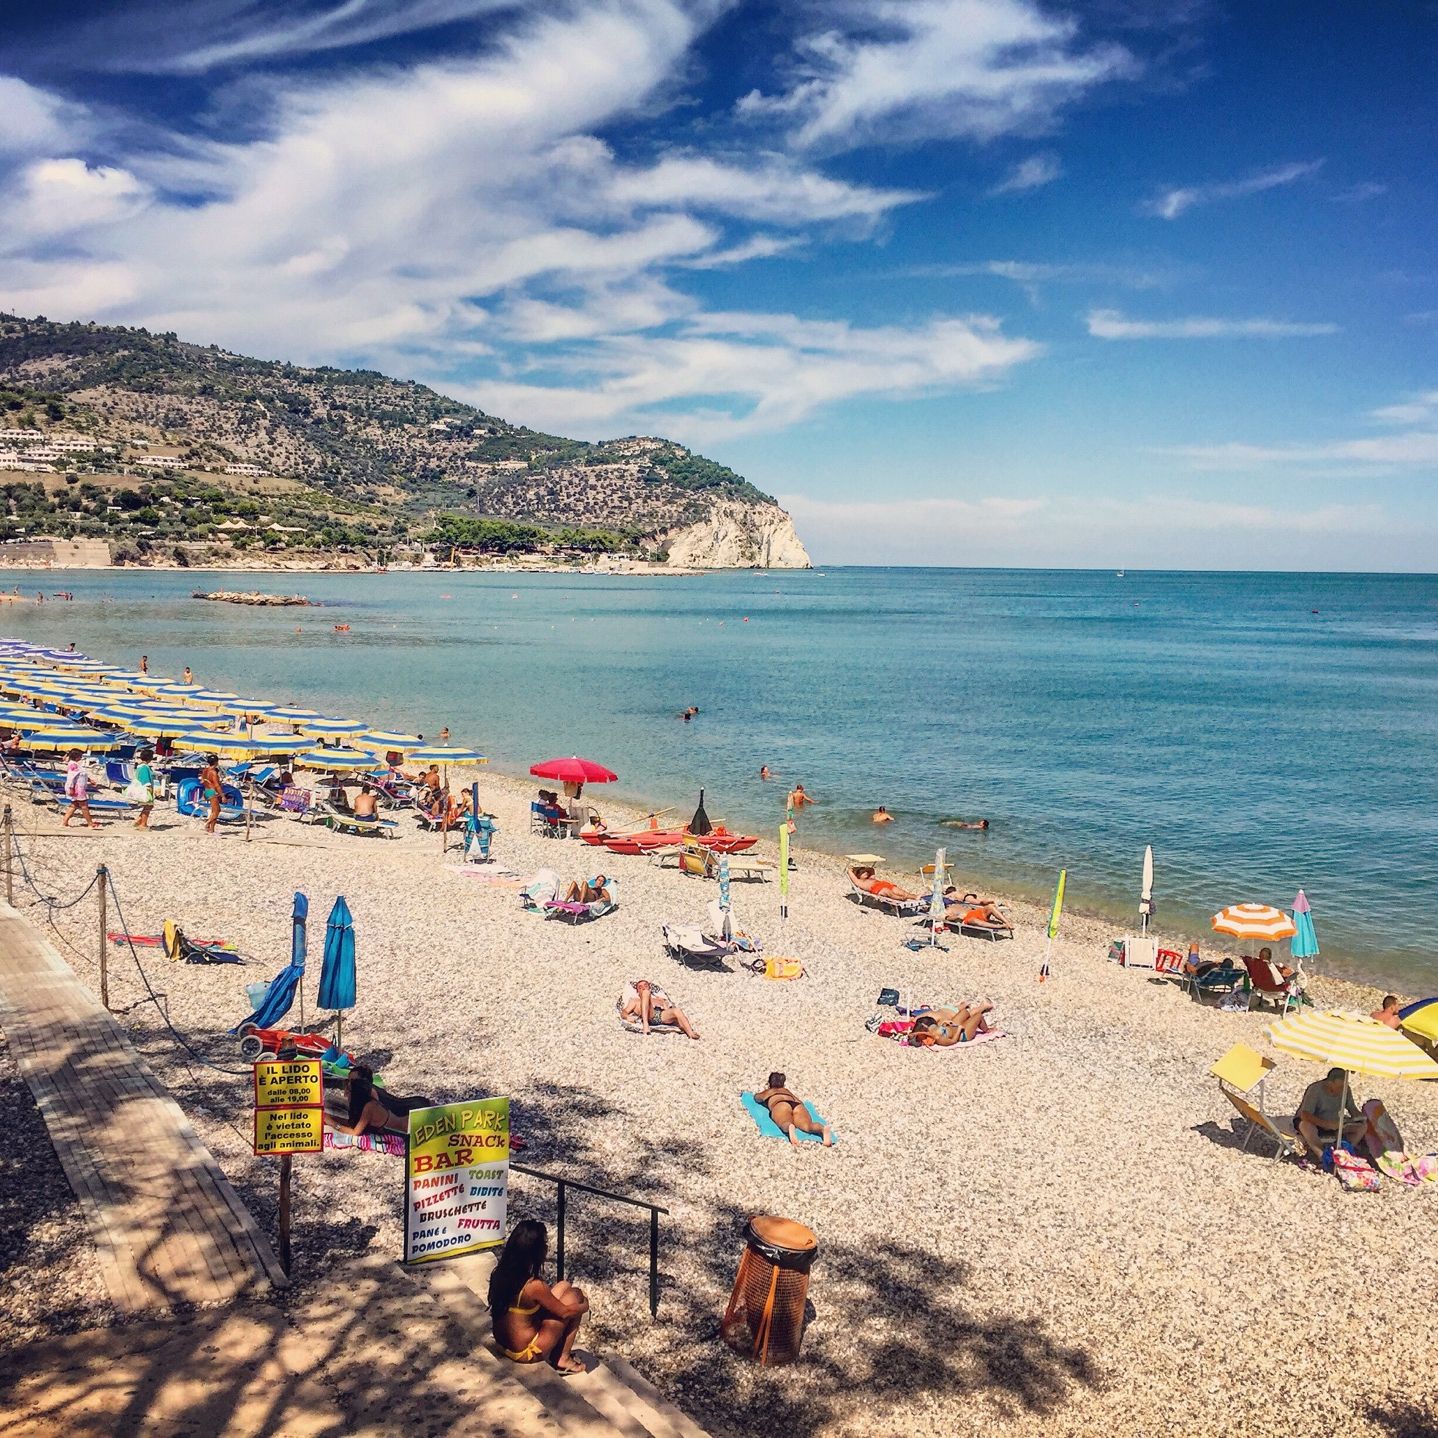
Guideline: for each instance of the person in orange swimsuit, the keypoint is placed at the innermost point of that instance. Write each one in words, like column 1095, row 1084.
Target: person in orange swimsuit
column 532, row 1320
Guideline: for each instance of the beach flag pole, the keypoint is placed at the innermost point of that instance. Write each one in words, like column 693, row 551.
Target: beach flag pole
column 784, row 871
column 1053, row 930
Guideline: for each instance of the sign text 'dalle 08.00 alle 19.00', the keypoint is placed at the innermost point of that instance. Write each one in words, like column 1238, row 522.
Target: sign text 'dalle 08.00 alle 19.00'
column 457, row 1179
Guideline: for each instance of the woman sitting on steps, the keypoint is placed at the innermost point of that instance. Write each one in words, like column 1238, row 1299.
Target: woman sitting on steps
column 533, row 1320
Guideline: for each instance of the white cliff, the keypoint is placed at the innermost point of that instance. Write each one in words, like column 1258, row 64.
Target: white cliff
column 737, row 536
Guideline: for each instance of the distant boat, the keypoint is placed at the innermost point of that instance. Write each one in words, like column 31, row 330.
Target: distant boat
column 1118, row 574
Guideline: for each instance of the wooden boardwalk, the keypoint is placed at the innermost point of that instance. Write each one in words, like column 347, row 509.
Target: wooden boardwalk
column 168, row 1225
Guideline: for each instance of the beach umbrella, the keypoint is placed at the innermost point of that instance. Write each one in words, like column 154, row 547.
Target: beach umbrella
column 700, row 824
column 299, row 943
column 286, row 711
column 1420, row 1020
column 446, row 754
column 66, row 736
column 936, row 897
column 1353, row 1042
column 1145, row 895
column 324, row 726
column 1253, row 921
column 1304, row 944
column 337, row 972
column 784, row 870
column 336, row 761
column 242, row 746
column 382, row 741
column 573, row 771
column 1053, row 928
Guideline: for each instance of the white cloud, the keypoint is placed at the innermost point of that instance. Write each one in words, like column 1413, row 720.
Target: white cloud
column 748, row 373
column 894, row 70
column 1419, row 409
column 1178, row 201
column 756, row 247
column 1030, row 174
column 54, row 197
column 1111, row 325
column 36, row 122
column 1357, row 194
column 773, row 191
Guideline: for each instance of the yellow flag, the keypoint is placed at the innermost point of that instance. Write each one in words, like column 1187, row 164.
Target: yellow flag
column 783, row 862
column 1058, row 904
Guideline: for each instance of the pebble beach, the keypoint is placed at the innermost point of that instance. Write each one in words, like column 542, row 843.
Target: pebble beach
column 1057, row 1232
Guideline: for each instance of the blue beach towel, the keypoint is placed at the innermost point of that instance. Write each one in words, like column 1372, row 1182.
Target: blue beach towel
column 770, row 1129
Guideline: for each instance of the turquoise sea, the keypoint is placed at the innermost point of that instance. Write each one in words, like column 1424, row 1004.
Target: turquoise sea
column 1262, row 731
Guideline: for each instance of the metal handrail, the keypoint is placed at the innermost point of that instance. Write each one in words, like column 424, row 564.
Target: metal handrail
column 564, row 1185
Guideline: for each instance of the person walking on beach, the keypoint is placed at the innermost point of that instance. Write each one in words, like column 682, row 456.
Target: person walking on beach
column 214, row 788
column 144, row 786
column 77, row 789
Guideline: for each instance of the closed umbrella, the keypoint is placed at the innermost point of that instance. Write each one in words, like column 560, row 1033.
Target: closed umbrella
column 1304, row 944
column 280, row 992
column 700, row 824
column 299, row 942
column 337, row 972
column 936, row 897
column 1053, row 929
column 1253, row 921
column 1145, row 895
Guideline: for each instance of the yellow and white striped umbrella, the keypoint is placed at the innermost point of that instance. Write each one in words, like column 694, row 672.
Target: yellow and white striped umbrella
column 1345, row 1039
column 1253, row 921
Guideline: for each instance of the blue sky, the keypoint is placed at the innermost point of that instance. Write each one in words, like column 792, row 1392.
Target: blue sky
column 961, row 281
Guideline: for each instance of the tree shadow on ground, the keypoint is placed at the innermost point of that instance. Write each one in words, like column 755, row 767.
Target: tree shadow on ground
column 1406, row 1419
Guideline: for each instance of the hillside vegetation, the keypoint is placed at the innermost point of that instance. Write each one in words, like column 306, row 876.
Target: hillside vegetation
column 353, row 459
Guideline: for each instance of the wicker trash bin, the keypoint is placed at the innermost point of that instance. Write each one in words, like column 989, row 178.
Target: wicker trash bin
column 765, row 1316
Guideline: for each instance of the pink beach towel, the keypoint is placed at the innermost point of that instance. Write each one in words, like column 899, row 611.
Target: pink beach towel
column 1385, row 1143
column 390, row 1143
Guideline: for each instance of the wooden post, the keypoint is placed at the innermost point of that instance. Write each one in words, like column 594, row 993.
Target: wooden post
column 285, row 1164
column 9, row 827
column 103, row 874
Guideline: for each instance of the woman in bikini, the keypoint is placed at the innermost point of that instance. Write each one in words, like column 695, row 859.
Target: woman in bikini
column 532, row 1319
column 790, row 1112
column 370, row 1107
column 942, row 1028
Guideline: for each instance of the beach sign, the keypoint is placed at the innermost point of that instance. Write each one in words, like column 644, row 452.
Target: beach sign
column 289, row 1107
column 456, row 1190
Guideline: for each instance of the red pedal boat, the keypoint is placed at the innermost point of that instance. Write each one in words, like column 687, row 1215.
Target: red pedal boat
column 720, row 840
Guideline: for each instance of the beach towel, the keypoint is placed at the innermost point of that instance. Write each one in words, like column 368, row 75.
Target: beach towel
column 770, row 1129
column 1385, row 1143
column 390, row 1143
column 1356, row 1174
column 899, row 1031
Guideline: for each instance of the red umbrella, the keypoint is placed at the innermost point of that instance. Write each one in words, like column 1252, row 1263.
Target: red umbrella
column 573, row 771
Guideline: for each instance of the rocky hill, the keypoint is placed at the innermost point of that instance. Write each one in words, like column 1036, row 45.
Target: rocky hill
column 257, row 454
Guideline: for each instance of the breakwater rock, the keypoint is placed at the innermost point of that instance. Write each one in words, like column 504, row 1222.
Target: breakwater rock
column 253, row 596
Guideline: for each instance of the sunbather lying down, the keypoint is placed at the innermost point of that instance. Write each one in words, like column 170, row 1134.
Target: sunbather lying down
column 862, row 877
column 790, row 1112
column 941, row 1028
column 975, row 913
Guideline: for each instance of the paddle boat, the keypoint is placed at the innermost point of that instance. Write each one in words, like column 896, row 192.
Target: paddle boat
column 722, row 840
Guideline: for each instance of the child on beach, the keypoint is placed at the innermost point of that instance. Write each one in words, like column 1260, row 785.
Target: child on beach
column 77, row 789
column 144, row 787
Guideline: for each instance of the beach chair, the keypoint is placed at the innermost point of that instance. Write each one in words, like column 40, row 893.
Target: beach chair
column 364, row 827
column 1140, row 953
column 1240, row 1074
column 1265, row 982
column 540, row 889
column 97, row 806
column 118, row 773
column 574, row 912
column 1222, row 979
column 887, row 897
column 299, row 804
column 991, row 932
column 1168, row 964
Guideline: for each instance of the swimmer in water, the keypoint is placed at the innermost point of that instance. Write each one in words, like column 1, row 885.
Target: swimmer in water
column 882, row 816
column 765, row 772
column 966, row 823
column 798, row 798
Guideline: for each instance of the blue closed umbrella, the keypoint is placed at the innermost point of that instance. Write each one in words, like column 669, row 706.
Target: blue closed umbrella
column 281, row 992
column 337, row 972
column 1304, row 943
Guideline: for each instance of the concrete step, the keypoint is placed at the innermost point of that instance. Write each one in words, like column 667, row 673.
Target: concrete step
column 611, row 1399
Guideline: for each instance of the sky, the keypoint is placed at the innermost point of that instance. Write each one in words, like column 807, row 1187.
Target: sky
column 1142, row 283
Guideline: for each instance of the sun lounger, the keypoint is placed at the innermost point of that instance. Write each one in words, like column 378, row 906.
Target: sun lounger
column 573, row 912
column 97, row 806
column 1240, row 1074
column 1221, row 979
column 888, row 898
column 354, row 824
column 540, row 890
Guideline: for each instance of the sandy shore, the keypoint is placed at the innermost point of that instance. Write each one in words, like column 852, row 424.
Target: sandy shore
column 1053, row 1233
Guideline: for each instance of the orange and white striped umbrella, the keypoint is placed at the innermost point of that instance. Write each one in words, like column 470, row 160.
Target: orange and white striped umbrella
column 1253, row 921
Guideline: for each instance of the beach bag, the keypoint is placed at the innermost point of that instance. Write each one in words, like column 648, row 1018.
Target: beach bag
column 1117, row 951
column 888, row 999
column 1356, row 1174
column 138, row 793
column 72, row 783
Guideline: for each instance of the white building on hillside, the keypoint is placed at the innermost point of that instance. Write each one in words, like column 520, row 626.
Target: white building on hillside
column 252, row 470
column 162, row 461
